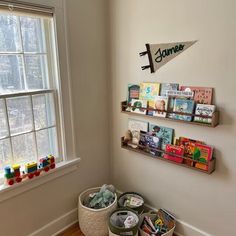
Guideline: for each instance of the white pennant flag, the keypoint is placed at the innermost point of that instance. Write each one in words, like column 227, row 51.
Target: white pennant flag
column 160, row 54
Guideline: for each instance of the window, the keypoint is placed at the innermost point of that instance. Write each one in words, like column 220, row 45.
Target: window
column 29, row 106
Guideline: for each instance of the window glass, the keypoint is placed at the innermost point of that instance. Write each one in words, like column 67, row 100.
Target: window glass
column 5, row 153
column 9, row 34
column 36, row 72
column 44, row 111
column 32, row 34
column 47, row 142
column 28, row 121
column 11, row 73
column 3, row 120
column 24, row 149
column 20, row 115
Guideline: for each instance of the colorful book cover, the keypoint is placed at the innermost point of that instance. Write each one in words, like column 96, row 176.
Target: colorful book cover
column 138, row 105
column 203, row 154
column 188, row 145
column 205, row 110
column 166, row 134
column 168, row 86
column 172, row 96
column 137, row 125
column 151, row 104
column 180, row 94
column 161, row 104
column 149, row 91
column 177, row 150
column 184, row 106
column 170, row 107
column 133, row 92
column 202, row 95
column 135, row 139
column 149, row 141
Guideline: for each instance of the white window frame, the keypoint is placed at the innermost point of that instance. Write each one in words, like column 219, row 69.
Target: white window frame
column 70, row 162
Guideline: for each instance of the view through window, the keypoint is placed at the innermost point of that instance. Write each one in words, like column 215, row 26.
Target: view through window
column 28, row 108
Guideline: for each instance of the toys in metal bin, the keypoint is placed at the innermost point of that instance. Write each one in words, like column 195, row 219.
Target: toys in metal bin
column 160, row 223
column 14, row 175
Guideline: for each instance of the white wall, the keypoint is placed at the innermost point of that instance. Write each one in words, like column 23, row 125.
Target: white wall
column 87, row 37
column 205, row 201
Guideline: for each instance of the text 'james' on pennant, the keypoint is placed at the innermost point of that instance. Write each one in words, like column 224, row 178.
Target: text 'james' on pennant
column 160, row 54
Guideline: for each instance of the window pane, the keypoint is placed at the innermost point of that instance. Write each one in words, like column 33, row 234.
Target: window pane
column 9, row 34
column 32, row 34
column 11, row 73
column 24, row 148
column 44, row 112
column 50, row 109
column 5, row 153
column 47, row 142
column 3, row 120
column 36, row 72
column 20, row 114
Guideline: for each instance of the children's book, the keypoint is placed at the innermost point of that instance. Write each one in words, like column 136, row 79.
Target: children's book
column 161, row 104
column 172, row 95
column 188, row 145
column 202, row 95
column 184, row 106
column 133, row 92
column 149, row 91
column 180, row 94
column 203, row 154
column 149, row 141
column 135, row 139
column 138, row 105
column 177, row 150
column 167, row 87
column 137, row 125
column 151, row 105
column 166, row 134
column 205, row 110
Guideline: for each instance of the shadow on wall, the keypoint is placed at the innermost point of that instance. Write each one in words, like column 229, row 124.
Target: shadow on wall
column 225, row 117
column 222, row 172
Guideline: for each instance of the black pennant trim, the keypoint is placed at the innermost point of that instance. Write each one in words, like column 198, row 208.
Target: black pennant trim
column 143, row 53
column 145, row 67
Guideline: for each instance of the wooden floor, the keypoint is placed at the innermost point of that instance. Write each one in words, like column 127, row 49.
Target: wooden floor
column 73, row 231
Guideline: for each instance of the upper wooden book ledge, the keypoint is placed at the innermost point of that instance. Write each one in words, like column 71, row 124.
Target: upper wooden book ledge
column 214, row 118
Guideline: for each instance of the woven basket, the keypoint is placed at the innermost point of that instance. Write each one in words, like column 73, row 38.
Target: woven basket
column 93, row 222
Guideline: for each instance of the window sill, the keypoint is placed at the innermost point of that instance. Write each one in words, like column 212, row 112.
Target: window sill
column 61, row 169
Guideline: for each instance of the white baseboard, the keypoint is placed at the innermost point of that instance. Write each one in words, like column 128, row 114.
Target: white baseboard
column 58, row 225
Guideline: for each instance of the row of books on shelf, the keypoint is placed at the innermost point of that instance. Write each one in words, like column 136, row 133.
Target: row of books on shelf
column 159, row 141
column 170, row 100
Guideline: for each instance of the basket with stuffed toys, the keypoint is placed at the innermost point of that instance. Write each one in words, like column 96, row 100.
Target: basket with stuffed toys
column 95, row 206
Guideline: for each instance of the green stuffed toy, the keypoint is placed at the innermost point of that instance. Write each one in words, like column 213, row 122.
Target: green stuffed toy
column 103, row 198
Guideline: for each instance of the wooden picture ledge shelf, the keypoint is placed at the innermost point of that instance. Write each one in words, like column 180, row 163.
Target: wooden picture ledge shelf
column 139, row 149
column 214, row 123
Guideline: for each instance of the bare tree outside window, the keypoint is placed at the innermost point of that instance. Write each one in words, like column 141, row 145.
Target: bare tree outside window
column 28, row 127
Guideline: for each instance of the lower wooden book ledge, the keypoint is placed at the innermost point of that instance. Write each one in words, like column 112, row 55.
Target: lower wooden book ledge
column 211, row 163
